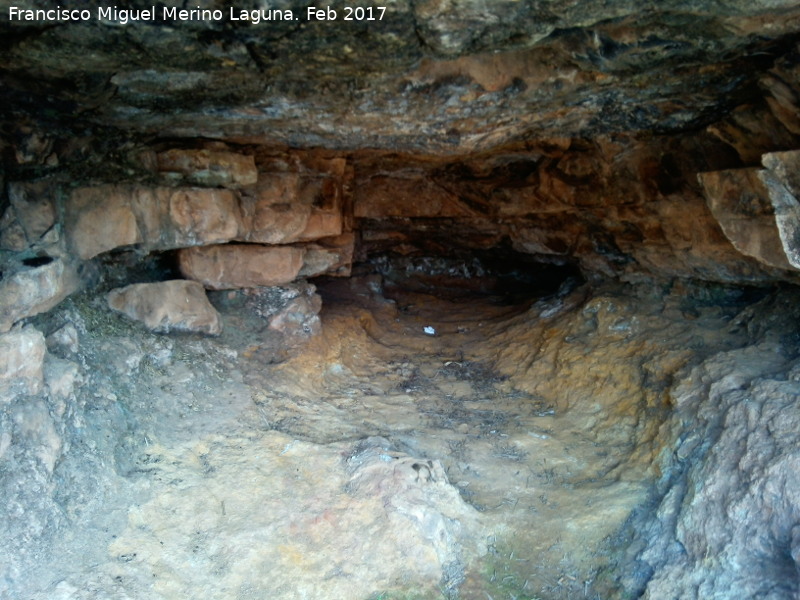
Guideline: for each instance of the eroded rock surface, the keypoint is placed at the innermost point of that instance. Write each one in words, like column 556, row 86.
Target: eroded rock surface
column 21, row 363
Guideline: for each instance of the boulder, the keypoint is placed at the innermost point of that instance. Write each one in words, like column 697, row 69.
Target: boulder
column 210, row 168
column 34, row 286
column 232, row 266
column 787, row 216
column 22, row 353
column 167, row 306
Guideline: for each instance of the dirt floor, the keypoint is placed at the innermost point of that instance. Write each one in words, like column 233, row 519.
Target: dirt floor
column 418, row 447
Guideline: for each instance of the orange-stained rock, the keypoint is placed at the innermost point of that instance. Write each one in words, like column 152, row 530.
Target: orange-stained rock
column 233, row 266
column 200, row 216
column 99, row 219
column 321, row 224
column 276, row 212
column 102, row 218
column 415, row 196
column 166, row 306
column 210, row 168
column 290, row 207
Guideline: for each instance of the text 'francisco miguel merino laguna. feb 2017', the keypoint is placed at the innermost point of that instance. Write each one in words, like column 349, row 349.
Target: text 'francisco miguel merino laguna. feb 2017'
column 123, row 16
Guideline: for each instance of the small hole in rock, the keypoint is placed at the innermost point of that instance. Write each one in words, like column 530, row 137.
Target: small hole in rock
column 38, row 261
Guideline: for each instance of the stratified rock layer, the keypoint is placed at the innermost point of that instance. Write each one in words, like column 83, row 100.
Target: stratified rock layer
column 441, row 76
column 241, row 265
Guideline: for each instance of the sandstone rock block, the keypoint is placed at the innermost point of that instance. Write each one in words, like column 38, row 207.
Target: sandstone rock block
column 290, row 207
column 741, row 204
column 329, row 256
column 274, row 223
column 321, row 224
column 167, row 306
column 199, row 217
column 99, row 219
column 234, row 266
column 22, row 355
column 35, row 286
column 209, row 167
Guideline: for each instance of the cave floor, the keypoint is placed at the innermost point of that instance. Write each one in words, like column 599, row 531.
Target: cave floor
column 494, row 456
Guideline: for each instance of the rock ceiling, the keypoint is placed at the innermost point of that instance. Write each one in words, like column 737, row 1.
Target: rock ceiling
column 430, row 76
column 570, row 131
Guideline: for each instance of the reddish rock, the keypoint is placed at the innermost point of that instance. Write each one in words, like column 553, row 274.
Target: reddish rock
column 321, row 224
column 277, row 212
column 200, row 216
column 233, row 266
column 99, row 219
column 209, row 167
column 168, row 306
column 415, row 196
column 290, row 207
column 102, row 218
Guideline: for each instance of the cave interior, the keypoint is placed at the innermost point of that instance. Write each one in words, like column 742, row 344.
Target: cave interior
column 447, row 299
